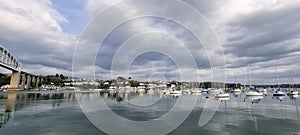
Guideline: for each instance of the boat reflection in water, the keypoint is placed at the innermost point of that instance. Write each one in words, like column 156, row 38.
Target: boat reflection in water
column 253, row 100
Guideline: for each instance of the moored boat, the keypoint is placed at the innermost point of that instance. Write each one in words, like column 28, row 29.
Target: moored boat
column 253, row 93
column 205, row 91
column 293, row 92
column 223, row 95
column 279, row 93
column 236, row 90
column 175, row 92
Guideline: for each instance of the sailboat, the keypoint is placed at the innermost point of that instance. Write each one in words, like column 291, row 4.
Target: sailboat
column 222, row 94
column 252, row 91
column 292, row 91
column 196, row 90
column 236, row 89
column 278, row 92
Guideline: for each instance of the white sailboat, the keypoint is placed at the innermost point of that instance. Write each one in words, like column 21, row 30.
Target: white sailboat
column 195, row 90
column 222, row 93
column 252, row 91
column 236, row 89
column 278, row 92
column 292, row 91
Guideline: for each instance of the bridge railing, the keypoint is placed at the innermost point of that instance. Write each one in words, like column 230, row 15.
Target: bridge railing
column 8, row 59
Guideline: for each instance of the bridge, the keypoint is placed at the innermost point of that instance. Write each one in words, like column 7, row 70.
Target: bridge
column 19, row 80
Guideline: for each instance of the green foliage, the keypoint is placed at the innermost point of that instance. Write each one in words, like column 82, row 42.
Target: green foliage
column 4, row 80
column 57, row 79
column 32, row 84
column 134, row 83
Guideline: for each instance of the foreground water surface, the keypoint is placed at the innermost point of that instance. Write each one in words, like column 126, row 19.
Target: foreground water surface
column 61, row 113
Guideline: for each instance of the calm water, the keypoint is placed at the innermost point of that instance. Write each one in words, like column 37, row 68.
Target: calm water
column 50, row 113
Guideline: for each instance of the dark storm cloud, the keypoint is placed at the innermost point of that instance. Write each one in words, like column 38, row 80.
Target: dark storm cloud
column 266, row 34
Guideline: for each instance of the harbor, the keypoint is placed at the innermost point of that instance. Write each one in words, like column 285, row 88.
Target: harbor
column 149, row 67
column 59, row 112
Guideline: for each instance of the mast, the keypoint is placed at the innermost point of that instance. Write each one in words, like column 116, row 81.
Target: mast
column 277, row 78
column 249, row 79
column 236, row 81
column 291, row 80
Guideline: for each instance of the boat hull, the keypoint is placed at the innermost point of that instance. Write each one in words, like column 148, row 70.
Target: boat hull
column 225, row 95
column 278, row 94
column 253, row 93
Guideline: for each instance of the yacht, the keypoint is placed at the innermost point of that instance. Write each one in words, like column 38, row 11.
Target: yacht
column 279, row 93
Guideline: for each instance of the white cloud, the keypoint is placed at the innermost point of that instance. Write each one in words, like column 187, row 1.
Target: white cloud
column 32, row 31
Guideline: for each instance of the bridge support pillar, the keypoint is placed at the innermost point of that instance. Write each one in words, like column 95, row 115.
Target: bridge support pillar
column 14, row 81
column 37, row 82
column 28, row 82
column 23, row 81
column 33, row 81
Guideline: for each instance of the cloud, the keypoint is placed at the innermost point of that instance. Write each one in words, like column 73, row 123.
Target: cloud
column 32, row 31
column 146, row 24
column 264, row 34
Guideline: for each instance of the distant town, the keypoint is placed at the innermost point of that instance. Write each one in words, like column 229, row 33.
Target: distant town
column 62, row 82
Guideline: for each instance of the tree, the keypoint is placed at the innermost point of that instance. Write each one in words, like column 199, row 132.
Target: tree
column 62, row 76
column 4, row 80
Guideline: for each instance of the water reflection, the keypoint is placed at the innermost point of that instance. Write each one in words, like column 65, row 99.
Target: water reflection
column 15, row 101
column 235, row 114
column 8, row 115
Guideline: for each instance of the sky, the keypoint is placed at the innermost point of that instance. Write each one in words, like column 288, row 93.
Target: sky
column 188, row 40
